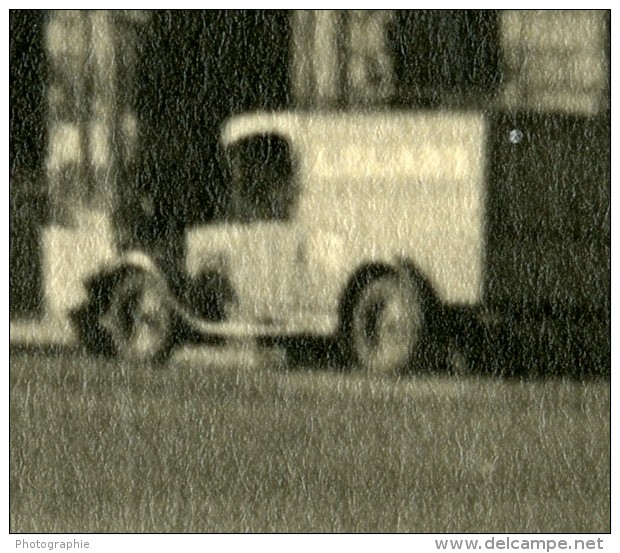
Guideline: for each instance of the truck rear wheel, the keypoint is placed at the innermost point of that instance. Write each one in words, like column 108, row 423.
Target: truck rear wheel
column 384, row 325
column 138, row 319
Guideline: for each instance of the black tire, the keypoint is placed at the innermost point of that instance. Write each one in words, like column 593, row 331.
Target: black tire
column 138, row 319
column 384, row 325
column 92, row 336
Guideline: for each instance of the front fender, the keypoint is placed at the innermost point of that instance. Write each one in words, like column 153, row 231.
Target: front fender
column 139, row 260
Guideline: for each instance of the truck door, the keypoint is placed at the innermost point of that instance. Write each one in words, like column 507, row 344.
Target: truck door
column 264, row 257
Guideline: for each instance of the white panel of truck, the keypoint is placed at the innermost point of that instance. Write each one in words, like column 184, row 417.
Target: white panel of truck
column 375, row 188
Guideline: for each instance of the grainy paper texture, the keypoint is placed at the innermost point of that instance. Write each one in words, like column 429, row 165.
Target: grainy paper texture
column 310, row 271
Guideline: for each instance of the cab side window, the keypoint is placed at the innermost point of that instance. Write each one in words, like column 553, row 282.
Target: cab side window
column 263, row 181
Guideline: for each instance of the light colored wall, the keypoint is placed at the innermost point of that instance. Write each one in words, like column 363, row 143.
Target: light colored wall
column 92, row 135
column 555, row 60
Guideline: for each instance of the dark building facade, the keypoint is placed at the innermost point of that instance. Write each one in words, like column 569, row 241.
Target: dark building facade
column 28, row 192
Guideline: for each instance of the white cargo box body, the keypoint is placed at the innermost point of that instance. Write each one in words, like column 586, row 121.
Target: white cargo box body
column 373, row 188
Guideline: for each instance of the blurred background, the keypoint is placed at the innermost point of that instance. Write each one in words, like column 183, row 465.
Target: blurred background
column 114, row 123
column 115, row 116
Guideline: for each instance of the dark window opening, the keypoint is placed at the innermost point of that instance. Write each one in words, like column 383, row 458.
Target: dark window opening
column 263, row 186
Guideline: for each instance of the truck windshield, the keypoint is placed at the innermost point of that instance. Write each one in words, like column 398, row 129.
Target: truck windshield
column 263, row 186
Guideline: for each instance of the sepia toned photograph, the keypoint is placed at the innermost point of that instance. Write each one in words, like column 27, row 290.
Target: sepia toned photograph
column 310, row 271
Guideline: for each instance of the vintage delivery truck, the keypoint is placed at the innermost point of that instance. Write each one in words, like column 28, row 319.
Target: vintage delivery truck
column 381, row 229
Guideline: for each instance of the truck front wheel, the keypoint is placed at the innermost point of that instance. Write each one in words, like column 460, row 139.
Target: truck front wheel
column 384, row 325
column 138, row 318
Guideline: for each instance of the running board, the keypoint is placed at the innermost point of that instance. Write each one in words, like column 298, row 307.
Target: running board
column 245, row 329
